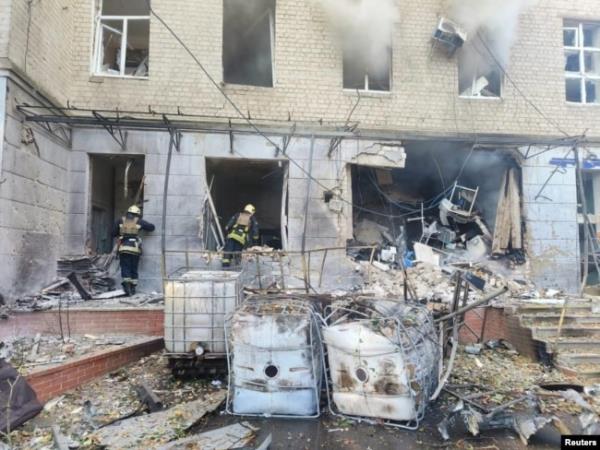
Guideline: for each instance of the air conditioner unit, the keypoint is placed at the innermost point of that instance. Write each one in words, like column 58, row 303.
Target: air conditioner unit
column 450, row 35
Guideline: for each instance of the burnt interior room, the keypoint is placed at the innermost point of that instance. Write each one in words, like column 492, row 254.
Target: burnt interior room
column 397, row 199
column 116, row 185
column 248, row 42
column 235, row 183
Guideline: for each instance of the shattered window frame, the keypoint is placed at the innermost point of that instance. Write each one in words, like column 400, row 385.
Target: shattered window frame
column 104, row 23
column 479, row 73
column 368, row 85
column 582, row 86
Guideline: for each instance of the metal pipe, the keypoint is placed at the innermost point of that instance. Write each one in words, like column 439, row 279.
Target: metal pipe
column 163, row 239
column 480, row 302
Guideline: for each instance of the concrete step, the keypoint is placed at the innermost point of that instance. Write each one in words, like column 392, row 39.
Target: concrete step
column 573, row 359
column 587, row 373
column 546, row 319
column 549, row 332
column 572, row 345
column 573, row 306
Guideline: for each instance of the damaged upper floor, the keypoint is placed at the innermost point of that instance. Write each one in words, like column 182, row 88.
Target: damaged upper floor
column 399, row 66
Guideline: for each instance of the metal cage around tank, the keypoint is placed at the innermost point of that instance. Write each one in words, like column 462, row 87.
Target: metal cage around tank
column 381, row 360
column 274, row 354
column 196, row 304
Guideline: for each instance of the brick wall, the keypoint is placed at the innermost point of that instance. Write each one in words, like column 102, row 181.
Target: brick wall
column 495, row 325
column 309, row 72
column 4, row 27
column 308, row 68
column 148, row 322
column 41, row 38
column 53, row 381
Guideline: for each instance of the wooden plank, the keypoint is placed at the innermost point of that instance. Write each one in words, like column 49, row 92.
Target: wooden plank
column 500, row 229
column 515, row 212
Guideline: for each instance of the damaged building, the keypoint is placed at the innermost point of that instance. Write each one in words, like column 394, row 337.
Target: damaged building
column 412, row 176
column 310, row 124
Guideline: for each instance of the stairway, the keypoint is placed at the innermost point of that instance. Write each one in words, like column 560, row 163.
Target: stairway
column 577, row 351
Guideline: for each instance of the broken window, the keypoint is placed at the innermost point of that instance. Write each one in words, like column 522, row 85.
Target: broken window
column 122, row 39
column 248, row 42
column 364, row 72
column 478, row 75
column 582, row 61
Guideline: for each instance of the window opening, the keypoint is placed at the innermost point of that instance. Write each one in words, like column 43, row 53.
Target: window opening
column 248, row 42
column 478, row 74
column 363, row 73
column 122, row 39
column 582, row 62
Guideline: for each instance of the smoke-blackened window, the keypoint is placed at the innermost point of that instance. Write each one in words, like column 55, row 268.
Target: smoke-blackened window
column 248, row 42
column 582, row 61
column 122, row 38
column 478, row 73
column 363, row 71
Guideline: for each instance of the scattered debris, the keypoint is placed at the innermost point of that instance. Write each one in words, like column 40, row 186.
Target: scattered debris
column 159, row 427
column 230, row 437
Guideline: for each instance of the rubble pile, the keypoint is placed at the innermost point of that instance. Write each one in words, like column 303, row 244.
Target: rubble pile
column 497, row 388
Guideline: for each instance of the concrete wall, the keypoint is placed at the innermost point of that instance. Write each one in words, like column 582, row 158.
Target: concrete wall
column 325, row 228
column 551, row 220
column 308, row 63
column 33, row 202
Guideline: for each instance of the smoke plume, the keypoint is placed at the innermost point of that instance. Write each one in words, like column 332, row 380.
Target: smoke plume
column 364, row 26
column 497, row 22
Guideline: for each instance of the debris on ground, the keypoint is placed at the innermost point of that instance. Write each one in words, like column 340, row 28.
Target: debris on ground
column 29, row 353
column 148, row 431
column 499, row 389
column 230, row 437
column 82, row 411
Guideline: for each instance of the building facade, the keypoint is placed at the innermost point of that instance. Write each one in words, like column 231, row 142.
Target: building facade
column 94, row 92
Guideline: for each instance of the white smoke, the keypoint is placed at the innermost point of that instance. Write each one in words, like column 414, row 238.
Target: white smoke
column 493, row 21
column 365, row 27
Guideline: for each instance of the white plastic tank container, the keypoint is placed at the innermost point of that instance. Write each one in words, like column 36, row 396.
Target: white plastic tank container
column 275, row 359
column 196, row 304
column 383, row 361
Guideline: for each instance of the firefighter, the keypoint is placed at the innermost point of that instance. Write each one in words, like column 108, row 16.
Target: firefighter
column 242, row 231
column 130, row 246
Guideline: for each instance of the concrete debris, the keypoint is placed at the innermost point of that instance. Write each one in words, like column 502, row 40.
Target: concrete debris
column 232, row 436
column 149, row 430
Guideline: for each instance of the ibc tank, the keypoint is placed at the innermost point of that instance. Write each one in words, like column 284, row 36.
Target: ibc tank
column 383, row 360
column 275, row 359
column 196, row 303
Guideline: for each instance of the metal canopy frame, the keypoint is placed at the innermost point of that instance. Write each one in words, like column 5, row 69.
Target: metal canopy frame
column 50, row 117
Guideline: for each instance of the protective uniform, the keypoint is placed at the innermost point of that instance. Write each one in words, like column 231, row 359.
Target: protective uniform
column 130, row 246
column 242, row 231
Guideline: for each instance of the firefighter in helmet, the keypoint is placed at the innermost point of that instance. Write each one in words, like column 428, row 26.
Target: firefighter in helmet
column 127, row 229
column 242, row 231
